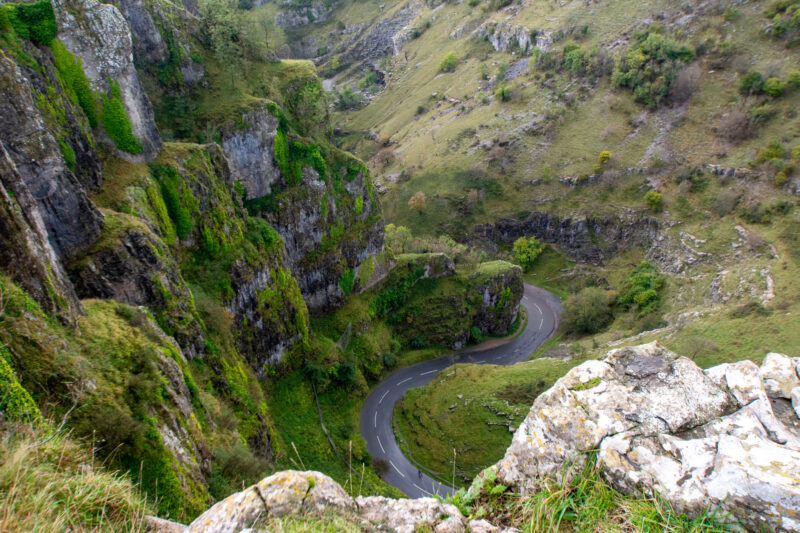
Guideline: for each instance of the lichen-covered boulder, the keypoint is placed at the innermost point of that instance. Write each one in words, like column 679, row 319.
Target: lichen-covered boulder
column 780, row 374
column 661, row 424
column 406, row 515
column 280, row 494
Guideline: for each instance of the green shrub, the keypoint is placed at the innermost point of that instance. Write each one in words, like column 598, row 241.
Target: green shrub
column 793, row 80
column 604, row 157
column 587, row 312
column 642, row 288
column 653, row 200
column 116, row 122
column 449, row 62
column 348, row 99
column 347, row 281
column 650, row 65
column 35, row 22
column 780, row 178
column 771, row 152
column 359, row 205
column 773, row 87
column 503, row 93
column 73, row 77
column 751, row 83
column 476, row 334
column 526, row 250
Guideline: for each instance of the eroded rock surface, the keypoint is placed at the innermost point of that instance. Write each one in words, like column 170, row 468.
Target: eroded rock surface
column 698, row 438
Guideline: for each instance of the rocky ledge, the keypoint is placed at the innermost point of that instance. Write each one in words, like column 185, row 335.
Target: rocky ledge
column 725, row 438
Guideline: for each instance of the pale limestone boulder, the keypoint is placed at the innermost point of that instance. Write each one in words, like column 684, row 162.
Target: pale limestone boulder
column 280, row 494
column 453, row 524
column 661, row 424
column 795, row 397
column 482, row 526
column 405, row 515
column 780, row 374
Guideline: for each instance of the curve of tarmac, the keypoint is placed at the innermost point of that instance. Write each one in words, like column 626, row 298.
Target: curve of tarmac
column 543, row 309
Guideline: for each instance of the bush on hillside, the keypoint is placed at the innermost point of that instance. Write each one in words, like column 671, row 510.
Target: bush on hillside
column 449, row 62
column 650, row 65
column 587, row 312
column 348, row 99
column 751, row 83
column 653, row 200
column 642, row 290
column 503, row 93
column 773, row 87
column 526, row 250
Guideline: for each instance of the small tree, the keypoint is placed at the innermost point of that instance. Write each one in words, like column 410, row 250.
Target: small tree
column 604, row 157
column 588, row 311
column 449, row 62
column 503, row 93
column 417, row 202
column 751, row 83
column 773, row 87
column 653, row 200
column 526, row 250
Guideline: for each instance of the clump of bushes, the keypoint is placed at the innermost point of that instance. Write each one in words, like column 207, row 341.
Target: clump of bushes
column 172, row 190
column 503, row 93
column 449, row 62
column 348, row 99
column 116, row 122
column 642, row 290
column 650, row 65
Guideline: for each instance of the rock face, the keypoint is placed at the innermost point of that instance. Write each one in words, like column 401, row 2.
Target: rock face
column 386, row 37
column 28, row 257
column 293, row 16
column 248, row 144
column 148, row 44
column 586, row 239
column 698, row 438
column 330, row 224
column 100, row 36
column 292, row 492
column 132, row 265
column 70, row 219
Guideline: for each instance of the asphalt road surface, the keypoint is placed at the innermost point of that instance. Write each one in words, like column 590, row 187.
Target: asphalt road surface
column 543, row 310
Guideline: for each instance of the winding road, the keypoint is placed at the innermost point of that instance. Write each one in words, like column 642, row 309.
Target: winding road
column 542, row 309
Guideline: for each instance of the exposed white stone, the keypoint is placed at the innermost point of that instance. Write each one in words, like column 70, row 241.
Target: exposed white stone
column 780, row 374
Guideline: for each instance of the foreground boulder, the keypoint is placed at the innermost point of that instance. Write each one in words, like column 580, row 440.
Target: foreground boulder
column 292, row 492
column 726, row 437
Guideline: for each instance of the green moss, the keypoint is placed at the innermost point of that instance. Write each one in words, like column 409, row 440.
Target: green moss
column 35, row 22
column 74, row 80
column 366, row 270
column 592, row 383
column 347, row 281
column 359, row 205
column 177, row 198
column 117, row 123
column 15, row 402
column 68, row 153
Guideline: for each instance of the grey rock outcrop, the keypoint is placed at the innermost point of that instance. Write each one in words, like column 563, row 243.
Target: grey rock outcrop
column 312, row 493
column 132, row 265
column 293, row 16
column 69, row 218
column 100, row 36
column 148, row 44
column 587, row 239
column 386, row 37
column 248, row 144
column 28, row 258
column 661, row 424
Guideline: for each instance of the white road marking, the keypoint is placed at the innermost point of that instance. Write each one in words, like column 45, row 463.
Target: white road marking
column 539, row 308
column 423, row 490
column 426, row 373
column 479, row 362
column 407, row 379
column 382, row 397
column 524, row 297
column 398, row 470
column 381, row 445
column 375, row 421
column 541, row 322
